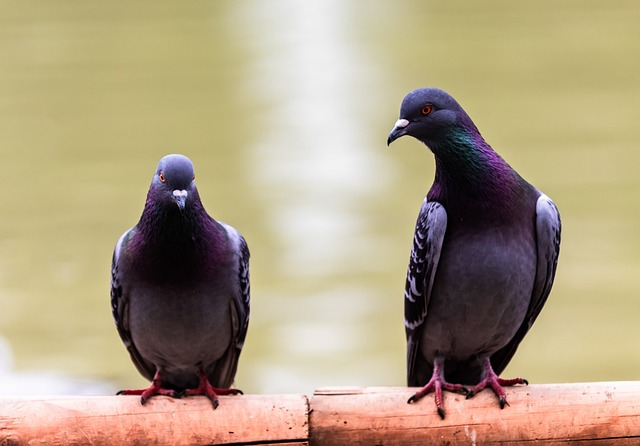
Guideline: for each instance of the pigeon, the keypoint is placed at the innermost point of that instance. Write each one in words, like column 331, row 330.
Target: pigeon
column 483, row 260
column 180, row 291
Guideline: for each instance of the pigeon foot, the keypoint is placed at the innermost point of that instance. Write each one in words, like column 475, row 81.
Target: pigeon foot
column 496, row 383
column 436, row 384
column 205, row 388
column 154, row 389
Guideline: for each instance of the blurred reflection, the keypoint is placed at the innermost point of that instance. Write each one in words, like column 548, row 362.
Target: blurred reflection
column 285, row 107
column 316, row 162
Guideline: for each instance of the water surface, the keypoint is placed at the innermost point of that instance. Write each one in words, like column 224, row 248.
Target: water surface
column 285, row 107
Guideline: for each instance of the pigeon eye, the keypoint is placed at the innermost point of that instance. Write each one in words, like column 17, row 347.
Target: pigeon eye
column 427, row 109
column 162, row 178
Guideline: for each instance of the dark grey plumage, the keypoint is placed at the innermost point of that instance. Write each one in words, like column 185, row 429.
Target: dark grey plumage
column 484, row 255
column 180, row 290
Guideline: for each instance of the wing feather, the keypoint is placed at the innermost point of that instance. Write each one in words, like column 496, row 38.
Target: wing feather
column 120, row 306
column 227, row 366
column 548, row 230
column 425, row 254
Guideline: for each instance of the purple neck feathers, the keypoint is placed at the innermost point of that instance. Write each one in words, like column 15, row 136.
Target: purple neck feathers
column 472, row 181
column 169, row 242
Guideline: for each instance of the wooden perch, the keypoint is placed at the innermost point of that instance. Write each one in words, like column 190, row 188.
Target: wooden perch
column 546, row 414
column 122, row 420
column 607, row 413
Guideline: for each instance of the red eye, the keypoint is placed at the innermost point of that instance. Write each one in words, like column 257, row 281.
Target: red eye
column 427, row 109
column 161, row 177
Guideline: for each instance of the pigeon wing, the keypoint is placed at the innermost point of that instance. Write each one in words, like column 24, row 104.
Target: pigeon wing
column 227, row 366
column 548, row 228
column 425, row 254
column 120, row 307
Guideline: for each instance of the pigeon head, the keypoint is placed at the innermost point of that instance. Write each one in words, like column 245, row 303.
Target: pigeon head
column 468, row 170
column 174, row 181
column 429, row 115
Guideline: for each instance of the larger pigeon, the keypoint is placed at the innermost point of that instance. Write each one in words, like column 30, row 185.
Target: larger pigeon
column 484, row 256
column 180, row 290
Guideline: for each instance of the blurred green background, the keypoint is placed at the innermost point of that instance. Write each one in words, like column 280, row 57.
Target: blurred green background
column 284, row 107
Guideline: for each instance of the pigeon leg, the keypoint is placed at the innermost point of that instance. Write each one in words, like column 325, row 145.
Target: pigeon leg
column 493, row 381
column 205, row 388
column 154, row 389
column 436, row 384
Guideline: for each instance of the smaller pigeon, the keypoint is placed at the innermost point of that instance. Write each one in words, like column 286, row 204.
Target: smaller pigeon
column 180, row 291
column 484, row 256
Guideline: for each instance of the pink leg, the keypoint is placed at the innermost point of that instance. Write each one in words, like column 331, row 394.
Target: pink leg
column 436, row 384
column 154, row 389
column 493, row 381
column 205, row 388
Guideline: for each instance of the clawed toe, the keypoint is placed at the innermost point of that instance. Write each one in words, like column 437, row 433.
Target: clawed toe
column 437, row 384
column 153, row 390
column 229, row 391
column 205, row 388
column 495, row 383
column 158, row 391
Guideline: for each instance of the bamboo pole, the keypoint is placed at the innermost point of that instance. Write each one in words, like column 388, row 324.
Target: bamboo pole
column 122, row 420
column 584, row 413
column 556, row 414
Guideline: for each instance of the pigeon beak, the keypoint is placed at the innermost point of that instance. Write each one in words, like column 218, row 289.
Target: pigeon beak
column 181, row 198
column 400, row 129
